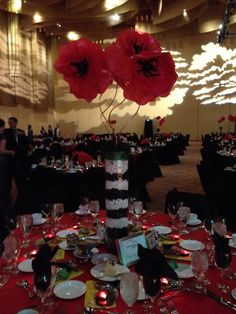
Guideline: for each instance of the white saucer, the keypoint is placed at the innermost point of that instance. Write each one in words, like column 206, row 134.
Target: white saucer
column 40, row 223
column 64, row 233
column 184, row 271
column 233, row 293
column 162, row 229
column 70, row 289
column 63, row 245
column 26, row 266
column 231, row 244
column 97, row 272
column 192, row 245
column 194, row 223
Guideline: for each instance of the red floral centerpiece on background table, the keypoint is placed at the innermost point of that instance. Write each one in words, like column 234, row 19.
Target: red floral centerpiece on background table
column 136, row 62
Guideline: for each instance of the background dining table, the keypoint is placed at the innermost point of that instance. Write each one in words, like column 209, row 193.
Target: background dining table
column 13, row 298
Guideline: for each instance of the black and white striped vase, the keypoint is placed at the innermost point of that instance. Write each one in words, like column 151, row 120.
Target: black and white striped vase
column 116, row 203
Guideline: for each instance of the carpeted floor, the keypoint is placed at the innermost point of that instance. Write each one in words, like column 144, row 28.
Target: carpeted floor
column 183, row 176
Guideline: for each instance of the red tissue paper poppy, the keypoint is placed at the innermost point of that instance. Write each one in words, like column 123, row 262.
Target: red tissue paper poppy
column 162, row 121
column 83, row 65
column 221, row 119
column 140, row 68
column 158, row 117
column 231, row 118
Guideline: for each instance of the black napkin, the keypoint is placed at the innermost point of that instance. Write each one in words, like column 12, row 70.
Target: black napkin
column 152, row 264
column 222, row 250
column 41, row 264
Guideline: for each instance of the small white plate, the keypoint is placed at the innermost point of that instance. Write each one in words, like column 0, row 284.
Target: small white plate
column 162, row 229
column 40, row 223
column 231, row 244
column 233, row 293
column 64, row 233
column 98, row 272
column 28, row 311
column 63, row 245
column 103, row 258
column 70, row 289
column 81, row 213
column 26, row 266
column 194, row 223
column 192, row 245
column 184, row 271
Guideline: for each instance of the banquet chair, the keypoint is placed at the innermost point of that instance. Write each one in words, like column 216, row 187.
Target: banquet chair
column 198, row 203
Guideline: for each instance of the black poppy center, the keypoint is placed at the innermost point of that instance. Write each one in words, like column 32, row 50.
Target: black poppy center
column 149, row 67
column 81, row 67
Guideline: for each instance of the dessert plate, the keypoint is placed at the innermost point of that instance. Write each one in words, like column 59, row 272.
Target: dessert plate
column 194, row 223
column 70, row 289
column 98, row 272
column 40, row 223
column 192, row 245
column 64, row 233
column 162, row 229
column 26, row 266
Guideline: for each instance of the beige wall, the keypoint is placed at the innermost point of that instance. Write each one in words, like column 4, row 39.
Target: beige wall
column 182, row 110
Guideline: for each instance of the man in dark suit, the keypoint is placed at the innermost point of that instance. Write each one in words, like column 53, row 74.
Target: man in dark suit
column 17, row 141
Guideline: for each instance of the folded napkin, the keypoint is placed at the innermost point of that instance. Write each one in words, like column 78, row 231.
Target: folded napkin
column 152, row 264
column 222, row 250
column 41, row 264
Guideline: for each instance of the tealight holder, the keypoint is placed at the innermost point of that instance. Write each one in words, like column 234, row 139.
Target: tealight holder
column 105, row 297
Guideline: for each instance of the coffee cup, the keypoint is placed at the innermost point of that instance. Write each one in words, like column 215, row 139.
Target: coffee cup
column 234, row 239
column 37, row 218
column 192, row 218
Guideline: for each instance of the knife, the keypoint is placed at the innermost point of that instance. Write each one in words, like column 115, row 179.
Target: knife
column 221, row 300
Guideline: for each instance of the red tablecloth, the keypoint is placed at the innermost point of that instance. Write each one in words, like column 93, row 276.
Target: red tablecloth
column 13, row 299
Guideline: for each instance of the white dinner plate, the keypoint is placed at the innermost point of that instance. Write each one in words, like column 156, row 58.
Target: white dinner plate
column 232, row 244
column 196, row 222
column 63, row 245
column 103, row 258
column 162, row 229
column 98, row 272
column 192, row 245
column 70, row 289
column 184, row 271
column 28, row 311
column 40, row 223
column 26, row 266
column 64, row 233
column 233, row 293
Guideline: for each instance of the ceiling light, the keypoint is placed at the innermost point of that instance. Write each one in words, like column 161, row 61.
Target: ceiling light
column 115, row 17
column 37, row 18
column 15, row 5
column 58, row 25
column 220, row 26
column 185, row 13
column 111, row 4
column 72, row 36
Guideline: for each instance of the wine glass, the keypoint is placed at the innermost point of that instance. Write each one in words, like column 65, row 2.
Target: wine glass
column 25, row 226
column 152, row 288
column 11, row 253
column 129, row 289
column 222, row 262
column 208, row 225
column 57, row 213
column 183, row 213
column 199, row 267
column 94, row 208
column 11, row 224
column 46, row 210
column 137, row 210
column 173, row 212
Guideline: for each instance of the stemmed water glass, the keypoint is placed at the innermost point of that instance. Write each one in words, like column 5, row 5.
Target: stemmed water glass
column 208, row 225
column 199, row 267
column 46, row 210
column 183, row 213
column 11, row 253
column 173, row 212
column 25, row 226
column 94, row 207
column 57, row 213
column 129, row 289
column 152, row 288
column 137, row 210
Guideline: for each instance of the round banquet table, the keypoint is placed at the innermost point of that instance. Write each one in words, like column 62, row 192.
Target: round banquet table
column 13, row 298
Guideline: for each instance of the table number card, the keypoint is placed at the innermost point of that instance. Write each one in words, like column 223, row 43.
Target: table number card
column 128, row 248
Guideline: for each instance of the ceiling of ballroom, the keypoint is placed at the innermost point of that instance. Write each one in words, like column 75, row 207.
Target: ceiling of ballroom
column 102, row 19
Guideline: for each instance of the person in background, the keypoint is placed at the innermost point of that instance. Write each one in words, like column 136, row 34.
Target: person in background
column 43, row 132
column 16, row 141
column 57, row 132
column 30, row 132
column 50, row 131
column 5, row 177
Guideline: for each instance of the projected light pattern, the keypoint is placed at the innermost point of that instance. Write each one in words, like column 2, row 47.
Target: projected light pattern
column 213, row 75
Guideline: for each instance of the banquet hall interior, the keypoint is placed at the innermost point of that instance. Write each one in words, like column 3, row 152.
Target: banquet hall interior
column 117, row 156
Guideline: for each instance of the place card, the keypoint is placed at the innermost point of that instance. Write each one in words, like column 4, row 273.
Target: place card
column 128, row 248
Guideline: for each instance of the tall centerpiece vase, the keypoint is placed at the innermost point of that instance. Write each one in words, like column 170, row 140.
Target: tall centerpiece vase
column 116, row 203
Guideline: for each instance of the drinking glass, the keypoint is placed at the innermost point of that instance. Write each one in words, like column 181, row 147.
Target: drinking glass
column 11, row 253
column 222, row 262
column 46, row 210
column 183, row 213
column 57, row 213
column 11, row 224
column 137, row 210
column 25, row 226
column 152, row 288
column 199, row 267
column 208, row 225
column 129, row 289
column 173, row 212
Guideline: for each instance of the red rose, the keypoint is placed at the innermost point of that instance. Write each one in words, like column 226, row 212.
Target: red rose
column 83, row 65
